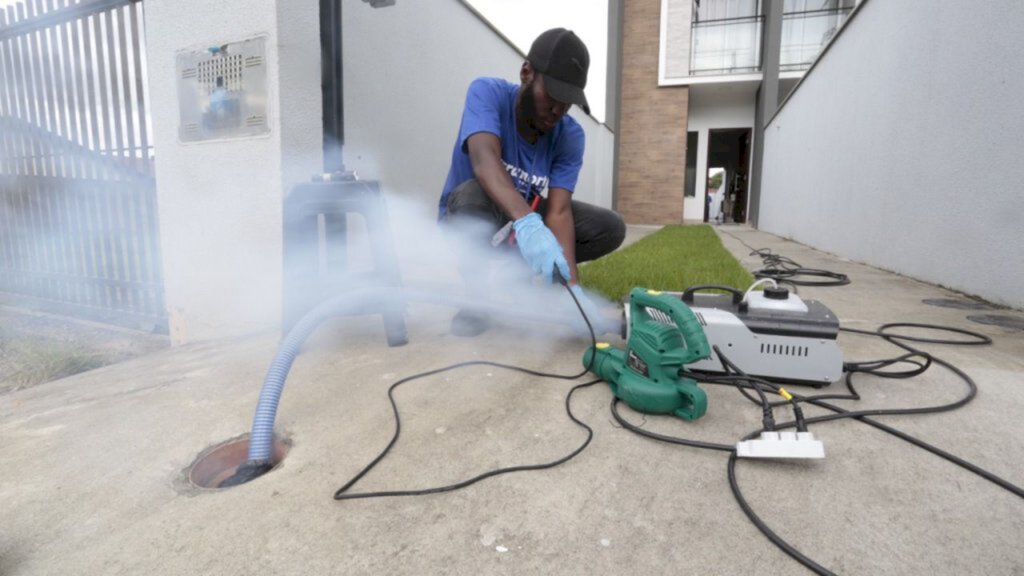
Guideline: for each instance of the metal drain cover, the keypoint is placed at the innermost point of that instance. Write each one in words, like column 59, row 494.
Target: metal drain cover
column 958, row 304
column 1012, row 322
column 218, row 463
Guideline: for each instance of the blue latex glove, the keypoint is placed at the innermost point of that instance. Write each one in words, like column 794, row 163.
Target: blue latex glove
column 539, row 247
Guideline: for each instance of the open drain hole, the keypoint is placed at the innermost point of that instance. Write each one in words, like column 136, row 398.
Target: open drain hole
column 215, row 465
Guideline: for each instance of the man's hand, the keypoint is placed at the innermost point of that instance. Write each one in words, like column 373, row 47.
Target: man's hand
column 539, row 247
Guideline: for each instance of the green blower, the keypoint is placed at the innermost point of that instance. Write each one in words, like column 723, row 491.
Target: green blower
column 664, row 335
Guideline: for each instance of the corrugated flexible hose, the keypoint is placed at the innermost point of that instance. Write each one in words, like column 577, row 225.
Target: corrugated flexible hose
column 259, row 460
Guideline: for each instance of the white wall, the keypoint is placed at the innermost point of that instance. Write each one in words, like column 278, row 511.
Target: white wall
column 726, row 106
column 407, row 68
column 220, row 202
column 674, row 44
column 902, row 147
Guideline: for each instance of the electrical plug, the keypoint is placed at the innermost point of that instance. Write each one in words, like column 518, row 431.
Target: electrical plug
column 782, row 445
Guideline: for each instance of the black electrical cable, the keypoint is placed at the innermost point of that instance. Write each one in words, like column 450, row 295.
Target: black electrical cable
column 342, row 493
column 874, row 367
column 766, row 407
column 979, row 339
column 744, row 382
column 863, row 417
column 850, row 368
column 768, row 532
column 740, row 381
column 663, row 438
column 756, row 382
column 785, row 270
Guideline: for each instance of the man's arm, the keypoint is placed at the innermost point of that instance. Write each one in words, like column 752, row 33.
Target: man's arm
column 485, row 156
column 559, row 220
column 543, row 251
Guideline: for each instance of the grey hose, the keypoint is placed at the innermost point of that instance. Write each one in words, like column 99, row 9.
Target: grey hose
column 261, row 437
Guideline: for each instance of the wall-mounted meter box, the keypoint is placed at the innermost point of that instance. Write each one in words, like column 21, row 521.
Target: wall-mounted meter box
column 222, row 91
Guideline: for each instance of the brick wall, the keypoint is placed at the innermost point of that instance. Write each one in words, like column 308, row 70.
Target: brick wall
column 652, row 125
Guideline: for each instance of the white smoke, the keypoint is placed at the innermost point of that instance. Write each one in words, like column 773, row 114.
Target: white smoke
column 449, row 259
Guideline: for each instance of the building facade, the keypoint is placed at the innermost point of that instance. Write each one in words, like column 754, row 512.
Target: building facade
column 691, row 72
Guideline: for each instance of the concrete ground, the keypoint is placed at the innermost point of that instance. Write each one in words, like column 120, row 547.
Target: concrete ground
column 94, row 464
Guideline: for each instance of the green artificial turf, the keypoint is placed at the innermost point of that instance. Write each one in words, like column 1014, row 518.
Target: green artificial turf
column 672, row 259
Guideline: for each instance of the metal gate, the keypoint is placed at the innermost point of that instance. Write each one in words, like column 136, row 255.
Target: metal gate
column 78, row 221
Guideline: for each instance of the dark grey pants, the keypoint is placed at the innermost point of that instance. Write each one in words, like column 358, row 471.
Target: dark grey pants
column 598, row 230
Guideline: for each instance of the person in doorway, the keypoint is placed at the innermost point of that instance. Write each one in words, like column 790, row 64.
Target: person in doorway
column 515, row 142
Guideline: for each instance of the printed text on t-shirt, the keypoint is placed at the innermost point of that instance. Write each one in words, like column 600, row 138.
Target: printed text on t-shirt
column 524, row 180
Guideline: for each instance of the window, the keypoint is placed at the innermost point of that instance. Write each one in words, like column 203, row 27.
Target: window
column 690, row 187
column 725, row 36
column 807, row 27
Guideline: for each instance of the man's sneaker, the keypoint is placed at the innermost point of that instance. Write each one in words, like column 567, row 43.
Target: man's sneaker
column 468, row 324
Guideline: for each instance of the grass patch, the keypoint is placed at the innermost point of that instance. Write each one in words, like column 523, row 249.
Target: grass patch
column 673, row 258
column 32, row 363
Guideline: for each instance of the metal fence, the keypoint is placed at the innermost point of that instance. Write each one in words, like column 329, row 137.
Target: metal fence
column 78, row 221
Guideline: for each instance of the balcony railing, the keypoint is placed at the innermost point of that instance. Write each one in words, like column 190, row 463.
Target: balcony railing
column 733, row 45
column 805, row 34
column 729, row 46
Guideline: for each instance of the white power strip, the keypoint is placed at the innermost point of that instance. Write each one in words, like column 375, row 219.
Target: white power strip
column 782, row 445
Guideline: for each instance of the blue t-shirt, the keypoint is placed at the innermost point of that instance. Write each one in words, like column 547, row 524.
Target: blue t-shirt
column 554, row 161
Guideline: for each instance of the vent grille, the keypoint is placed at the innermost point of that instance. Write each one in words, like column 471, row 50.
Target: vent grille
column 227, row 68
column 662, row 318
column 659, row 316
column 784, row 350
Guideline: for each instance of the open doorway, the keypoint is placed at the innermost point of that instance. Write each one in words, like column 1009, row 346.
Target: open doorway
column 713, row 209
column 729, row 168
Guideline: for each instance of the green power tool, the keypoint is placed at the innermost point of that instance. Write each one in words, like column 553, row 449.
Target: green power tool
column 664, row 335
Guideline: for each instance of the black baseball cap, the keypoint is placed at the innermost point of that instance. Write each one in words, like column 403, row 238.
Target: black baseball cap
column 563, row 59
